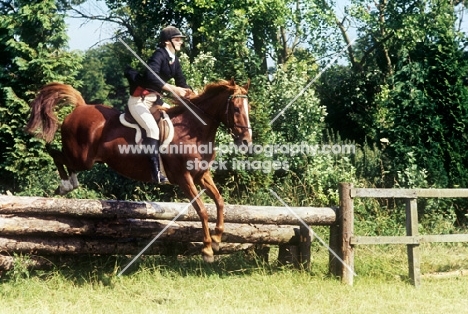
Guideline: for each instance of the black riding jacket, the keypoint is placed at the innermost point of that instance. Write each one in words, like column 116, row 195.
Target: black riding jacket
column 160, row 63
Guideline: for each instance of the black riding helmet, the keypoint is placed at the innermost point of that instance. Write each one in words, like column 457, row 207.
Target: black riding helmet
column 168, row 33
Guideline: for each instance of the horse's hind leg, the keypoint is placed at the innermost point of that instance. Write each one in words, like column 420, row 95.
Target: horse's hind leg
column 68, row 182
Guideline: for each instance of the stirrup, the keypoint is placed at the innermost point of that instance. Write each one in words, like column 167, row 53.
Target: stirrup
column 161, row 179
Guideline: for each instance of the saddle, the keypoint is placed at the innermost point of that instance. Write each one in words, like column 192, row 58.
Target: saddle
column 166, row 129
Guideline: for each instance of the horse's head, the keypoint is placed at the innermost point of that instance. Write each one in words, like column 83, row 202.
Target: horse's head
column 237, row 114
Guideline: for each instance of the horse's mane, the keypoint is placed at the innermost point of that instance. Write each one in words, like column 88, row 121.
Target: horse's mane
column 210, row 91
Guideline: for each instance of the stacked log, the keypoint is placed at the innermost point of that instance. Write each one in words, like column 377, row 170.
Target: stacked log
column 50, row 226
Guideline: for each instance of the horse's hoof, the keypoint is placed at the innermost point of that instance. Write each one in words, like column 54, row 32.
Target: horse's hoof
column 74, row 181
column 208, row 259
column 60, row 191
column 215, row 246
column 64, row 187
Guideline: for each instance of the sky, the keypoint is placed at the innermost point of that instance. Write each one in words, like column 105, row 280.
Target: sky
column 84, row 34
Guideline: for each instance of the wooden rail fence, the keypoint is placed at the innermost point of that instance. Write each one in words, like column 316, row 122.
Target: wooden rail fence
column 412, row 239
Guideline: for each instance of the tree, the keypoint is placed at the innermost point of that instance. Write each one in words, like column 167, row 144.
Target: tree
column 102, row 75
column 241, row 35
column 428, row 106
column 32, row 42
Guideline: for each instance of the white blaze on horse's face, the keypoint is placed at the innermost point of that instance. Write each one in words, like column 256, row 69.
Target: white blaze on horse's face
column 246, row 109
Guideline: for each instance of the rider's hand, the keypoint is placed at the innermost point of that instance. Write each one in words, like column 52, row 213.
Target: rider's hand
column 182, row 92
column 189, row 93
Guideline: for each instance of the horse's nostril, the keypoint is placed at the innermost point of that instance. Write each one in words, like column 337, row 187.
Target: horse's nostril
column 245, row 142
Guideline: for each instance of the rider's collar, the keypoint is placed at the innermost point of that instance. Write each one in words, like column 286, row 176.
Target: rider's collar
column 171, row 55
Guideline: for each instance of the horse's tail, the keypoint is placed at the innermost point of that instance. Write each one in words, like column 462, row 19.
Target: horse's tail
column 43, row 121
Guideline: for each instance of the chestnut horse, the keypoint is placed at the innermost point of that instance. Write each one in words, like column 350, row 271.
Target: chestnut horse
column 93, row 133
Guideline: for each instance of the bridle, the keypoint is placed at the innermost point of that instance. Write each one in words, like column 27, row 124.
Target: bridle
column 231, row 127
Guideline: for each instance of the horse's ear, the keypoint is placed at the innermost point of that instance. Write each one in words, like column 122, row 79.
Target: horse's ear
column 247, row 85
column 232, row 82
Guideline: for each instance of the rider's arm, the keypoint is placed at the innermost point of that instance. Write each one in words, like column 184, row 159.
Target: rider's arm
column 155, row 63
column 181, row 92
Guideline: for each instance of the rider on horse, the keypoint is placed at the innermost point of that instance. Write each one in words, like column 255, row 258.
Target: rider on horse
column 165, row 64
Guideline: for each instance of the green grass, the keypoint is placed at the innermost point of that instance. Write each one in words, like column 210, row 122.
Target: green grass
column 240, row 284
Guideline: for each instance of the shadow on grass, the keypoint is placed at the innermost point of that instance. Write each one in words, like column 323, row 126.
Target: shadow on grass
column 103, row 270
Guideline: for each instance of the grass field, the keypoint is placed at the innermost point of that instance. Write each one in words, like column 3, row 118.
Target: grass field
column 240, row 283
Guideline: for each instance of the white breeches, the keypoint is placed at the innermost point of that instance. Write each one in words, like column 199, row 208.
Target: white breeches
column 139, row 109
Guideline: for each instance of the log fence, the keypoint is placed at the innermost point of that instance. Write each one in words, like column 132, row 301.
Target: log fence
column 60, row 226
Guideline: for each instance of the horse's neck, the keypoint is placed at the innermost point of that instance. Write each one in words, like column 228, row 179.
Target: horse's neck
column 202, row 120
column 214, row 108
column 199, row 126
column 209, row 110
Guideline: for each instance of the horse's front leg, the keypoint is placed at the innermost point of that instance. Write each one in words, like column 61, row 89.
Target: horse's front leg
column 190, row 191
column 208, row 184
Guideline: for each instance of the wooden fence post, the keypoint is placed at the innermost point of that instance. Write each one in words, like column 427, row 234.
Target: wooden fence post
column 342, row 241
column 304, row 246
column 414, row 259
column 334, row 244
column 347, row 223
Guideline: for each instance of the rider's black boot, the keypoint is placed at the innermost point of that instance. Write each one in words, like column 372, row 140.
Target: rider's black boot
column 158, row 177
